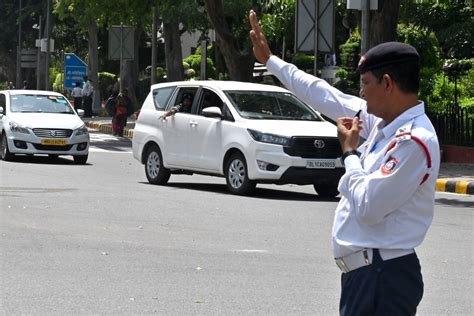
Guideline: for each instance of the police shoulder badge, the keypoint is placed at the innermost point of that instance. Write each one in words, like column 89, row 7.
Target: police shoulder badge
column 389, row 166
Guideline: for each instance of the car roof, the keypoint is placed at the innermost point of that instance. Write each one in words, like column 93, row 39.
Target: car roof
column 36, row 92
column 222, row 85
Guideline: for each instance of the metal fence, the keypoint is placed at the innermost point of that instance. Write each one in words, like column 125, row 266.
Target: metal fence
column 455, row 126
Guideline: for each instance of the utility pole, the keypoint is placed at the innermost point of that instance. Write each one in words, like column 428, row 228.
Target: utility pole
column 153, row 47
column 365, row 21
column 18, row 52
column 316, row 31
column 38, row 56
column 48, row 35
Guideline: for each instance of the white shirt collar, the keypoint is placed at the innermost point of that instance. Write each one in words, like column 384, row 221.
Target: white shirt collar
column 403, row 118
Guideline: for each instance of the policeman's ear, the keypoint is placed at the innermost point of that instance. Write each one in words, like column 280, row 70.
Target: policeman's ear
column 388, row 83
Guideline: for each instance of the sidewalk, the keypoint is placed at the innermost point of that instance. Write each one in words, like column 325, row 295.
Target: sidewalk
column 453, row 177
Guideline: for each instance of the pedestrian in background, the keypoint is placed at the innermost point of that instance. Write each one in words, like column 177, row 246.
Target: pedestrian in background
column 25, row 85
column 10, row 86
column 77, row 95
column 388, row 189
column 87, row 93
column 119, row 119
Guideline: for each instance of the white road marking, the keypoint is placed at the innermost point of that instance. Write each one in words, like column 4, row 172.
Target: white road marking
column 252, row 250
column 94, row 149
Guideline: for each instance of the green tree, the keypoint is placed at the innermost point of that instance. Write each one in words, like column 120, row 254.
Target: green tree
column 451, row 20
column 88, row 14
column 427, row 46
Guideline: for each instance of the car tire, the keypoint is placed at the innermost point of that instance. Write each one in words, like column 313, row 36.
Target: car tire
column 80, row 159
column 236, row 175
column 155, row 172
column 4, row 150
column 326, row 190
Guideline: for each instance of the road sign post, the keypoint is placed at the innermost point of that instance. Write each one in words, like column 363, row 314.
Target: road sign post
column 121, row 45
column 74, row 70
column 315, row 27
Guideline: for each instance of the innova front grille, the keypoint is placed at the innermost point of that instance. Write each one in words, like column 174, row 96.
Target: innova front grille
column 52, row 133
column 314, row 147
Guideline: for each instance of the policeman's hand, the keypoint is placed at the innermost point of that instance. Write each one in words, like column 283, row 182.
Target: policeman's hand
column 348, row 129
column 261, row 50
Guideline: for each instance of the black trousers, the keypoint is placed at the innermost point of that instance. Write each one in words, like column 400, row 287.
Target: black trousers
column 77, row 103
column 392, row 287
column 87, row 104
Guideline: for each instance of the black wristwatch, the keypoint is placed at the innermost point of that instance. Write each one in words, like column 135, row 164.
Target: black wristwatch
column 349, row 153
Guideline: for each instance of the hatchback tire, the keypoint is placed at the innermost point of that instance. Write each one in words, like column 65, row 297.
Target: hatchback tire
column 80, row 160
column 236, row 176
column 155, row 172
column 5, row 153
column 326, row 190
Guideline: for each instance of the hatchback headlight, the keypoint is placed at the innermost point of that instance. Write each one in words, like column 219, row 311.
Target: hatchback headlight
column 16, row 128
column 82, row 130
column 269, row 138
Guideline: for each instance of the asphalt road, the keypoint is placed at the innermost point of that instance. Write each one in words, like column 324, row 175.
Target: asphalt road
column 99, row 239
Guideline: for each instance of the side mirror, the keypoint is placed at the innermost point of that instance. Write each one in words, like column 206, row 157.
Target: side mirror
column 80, row 112
column 212, row 111
column 1, row 110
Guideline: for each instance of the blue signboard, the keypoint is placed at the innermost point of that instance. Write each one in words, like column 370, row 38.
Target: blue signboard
column 74, row 70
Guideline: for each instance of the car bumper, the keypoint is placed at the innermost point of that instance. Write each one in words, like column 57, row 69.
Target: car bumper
column 272, row 164
column 31, row 144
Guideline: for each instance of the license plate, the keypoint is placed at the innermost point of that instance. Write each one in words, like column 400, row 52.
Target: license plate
column 321, row 164
column 54, row 142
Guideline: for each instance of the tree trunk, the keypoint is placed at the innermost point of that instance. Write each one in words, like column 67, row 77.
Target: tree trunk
column 173, row 54
column 93, row 64
column 383, row 23
column 239, row 61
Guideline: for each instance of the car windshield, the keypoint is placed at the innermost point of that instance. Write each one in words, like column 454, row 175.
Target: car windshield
column 270, row 105
column 39, row 103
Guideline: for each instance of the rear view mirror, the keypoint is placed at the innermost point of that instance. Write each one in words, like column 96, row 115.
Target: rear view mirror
column 80, row 112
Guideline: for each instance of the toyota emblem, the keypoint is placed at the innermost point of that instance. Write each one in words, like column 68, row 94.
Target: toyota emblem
column 53, row 133
column 318, row 143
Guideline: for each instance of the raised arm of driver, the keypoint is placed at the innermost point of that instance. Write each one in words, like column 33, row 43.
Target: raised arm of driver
column 261, row 49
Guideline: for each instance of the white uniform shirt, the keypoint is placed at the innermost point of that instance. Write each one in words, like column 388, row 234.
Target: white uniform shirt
column 382, row 202
column 87, row 89
column 76, row 92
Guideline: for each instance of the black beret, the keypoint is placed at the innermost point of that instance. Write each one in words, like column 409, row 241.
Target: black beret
column 387, row 54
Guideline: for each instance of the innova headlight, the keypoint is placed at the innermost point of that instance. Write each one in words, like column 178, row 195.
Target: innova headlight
column 16, row 128
column 82, row 130
column 269, row 138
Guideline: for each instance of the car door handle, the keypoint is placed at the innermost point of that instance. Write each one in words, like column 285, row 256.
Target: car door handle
column 193, row 123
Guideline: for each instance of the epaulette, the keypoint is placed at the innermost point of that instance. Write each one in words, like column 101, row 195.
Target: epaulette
column 404, row 134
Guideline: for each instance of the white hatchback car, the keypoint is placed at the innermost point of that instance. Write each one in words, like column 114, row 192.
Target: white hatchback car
column 248, row 133
column 41, row 122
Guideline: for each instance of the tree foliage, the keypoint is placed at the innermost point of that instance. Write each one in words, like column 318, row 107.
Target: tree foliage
column 451, row 20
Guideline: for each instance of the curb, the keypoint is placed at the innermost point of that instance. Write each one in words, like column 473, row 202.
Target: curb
column 107, row 128
column 442, row 185
column 455, row 186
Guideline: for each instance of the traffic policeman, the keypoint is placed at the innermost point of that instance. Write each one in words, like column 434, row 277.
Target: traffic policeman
column 388, row 189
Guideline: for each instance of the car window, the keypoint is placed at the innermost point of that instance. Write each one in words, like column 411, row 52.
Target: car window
column 187, row 92
column 209, row 98
column 270, row 105
column 161, row 96
column 32, row 103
